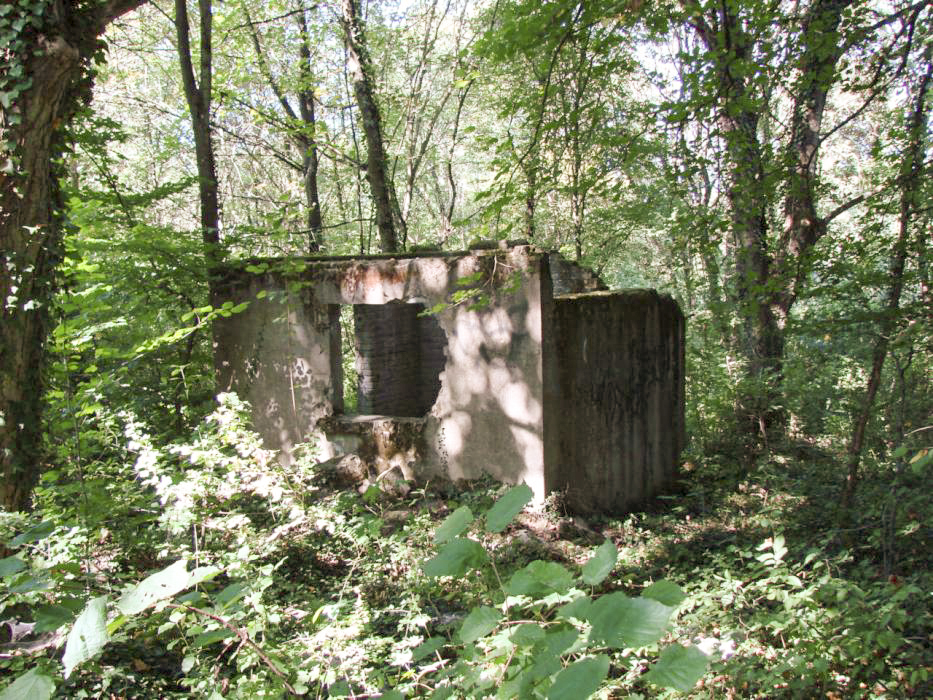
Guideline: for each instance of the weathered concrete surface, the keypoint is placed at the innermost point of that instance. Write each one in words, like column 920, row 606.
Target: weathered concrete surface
column 282, row 353
column 473, row 388
column 619, row 404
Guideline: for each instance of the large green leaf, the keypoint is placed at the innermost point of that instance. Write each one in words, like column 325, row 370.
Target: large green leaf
column 619, row 621
column 161, row 585
column 51, row 617
column 679, row 667
column 580, row 679
column 578, row 608
column 453, row 525
column 32, row 685
column 34, row 534
column 600, row 564
column 665, row 592
column 88, row 636
column 558, row 640
column 526, row 634
column 11, row 565
column 480, row 622
column 507, row 507
column 456, row 557
column 540, row 578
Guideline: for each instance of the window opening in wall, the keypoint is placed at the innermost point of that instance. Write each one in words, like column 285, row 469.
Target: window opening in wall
column 392, row 359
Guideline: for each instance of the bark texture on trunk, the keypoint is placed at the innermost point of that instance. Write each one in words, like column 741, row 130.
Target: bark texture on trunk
column 363, row 89
column 55, row 67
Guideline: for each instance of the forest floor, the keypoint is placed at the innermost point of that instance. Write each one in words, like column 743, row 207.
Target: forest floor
column 786, row 598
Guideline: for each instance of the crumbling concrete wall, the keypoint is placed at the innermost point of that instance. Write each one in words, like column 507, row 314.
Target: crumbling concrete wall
column 481, row 361
column 618, row 408
column 282, row 354
column 580, row 393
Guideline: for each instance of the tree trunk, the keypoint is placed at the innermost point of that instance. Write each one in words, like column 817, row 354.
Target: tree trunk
column 803, row 227
column 302, row 126
column 310, row 155
column 363, row 89
column 54, row 61
column 760, row 339
column 767, row 286
column 198, row 96
column 910, row 177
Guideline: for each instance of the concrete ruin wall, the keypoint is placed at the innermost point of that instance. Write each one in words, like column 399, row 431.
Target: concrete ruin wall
column 483, row 389
column 619, row 402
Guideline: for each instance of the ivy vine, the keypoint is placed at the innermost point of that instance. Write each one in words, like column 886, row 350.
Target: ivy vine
column 20, row 22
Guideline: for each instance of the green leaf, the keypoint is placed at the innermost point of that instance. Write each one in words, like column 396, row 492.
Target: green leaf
column 665, row 592
column 527, row 634
column 679, row 667
column 161, row 585
column 480, row 622
column 229, row 595
column 32, row 685
column 920, row 461
column 51, row 617
column 580, row 679
column 453, row 525
column 202, row 574
column 559, row 640
column 11, row 565
column 88, row 636
column 579, row 609
column 427, row 647
column 507, row 507
column 212, row 637
column 600, row 564
column 540, row 578
column 39, row 532
column 619, row 621
column 457, row 556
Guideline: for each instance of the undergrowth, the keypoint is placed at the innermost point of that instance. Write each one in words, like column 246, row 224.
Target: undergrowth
column 209, row 570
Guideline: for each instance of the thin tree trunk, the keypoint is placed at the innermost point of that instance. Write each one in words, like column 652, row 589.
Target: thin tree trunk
column 198, row 96
column 54, row 82
column 910, row 177
column 301, row 126
column 310, row 161
column 364, row 91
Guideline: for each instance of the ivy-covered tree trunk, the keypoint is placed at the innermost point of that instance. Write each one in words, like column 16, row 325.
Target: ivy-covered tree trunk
column 759, row 338
column 47, row 48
